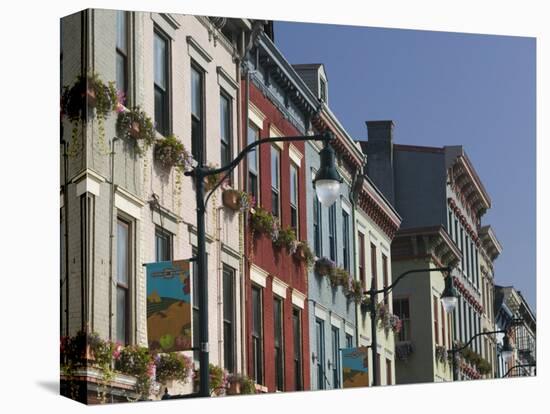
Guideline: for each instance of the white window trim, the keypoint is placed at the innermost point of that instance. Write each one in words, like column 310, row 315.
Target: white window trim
column 197, row 53
column 279, row 287
column 128, row 203
column 298, row 298
column 258, row 275
column 256, row 116
column 295, row 155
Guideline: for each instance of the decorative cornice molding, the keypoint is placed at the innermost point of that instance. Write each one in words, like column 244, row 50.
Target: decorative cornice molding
column 431, row 243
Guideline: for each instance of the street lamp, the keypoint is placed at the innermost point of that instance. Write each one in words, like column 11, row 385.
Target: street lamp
column 449, row 297
column 327, row 180
column 372, row 292
column 507, row 350
column 327, row 187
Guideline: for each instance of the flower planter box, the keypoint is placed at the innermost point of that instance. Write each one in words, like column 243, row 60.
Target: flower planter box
column 134, row 130
column 234, row 388
column 231, row 199
column 91, row 97
column 300, row 253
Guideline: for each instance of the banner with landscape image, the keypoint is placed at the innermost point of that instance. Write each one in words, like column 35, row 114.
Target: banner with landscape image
column 355, row 367
column 169, row 306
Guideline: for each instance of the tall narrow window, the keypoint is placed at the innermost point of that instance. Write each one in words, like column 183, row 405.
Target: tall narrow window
column 229, row 337
column 297, row 333
column 462, row 250
column 362, row 262
column 345, row 239
column 386, row 277
column 122, row 51
column 161, row 83
column 320, row 351
column 294, row 198
column 225, row 130
column 123, row 282
column 317, row 226
column 349, row 341
column 335, row 332
column 436, row 320
column 275, row 181
column 257, row 339
column 332, row 232
column 278, row 342
column 163, row 245
column 197, row 118
column 388, row 372
column 401, row 309
column 373, row 268
column 253, row 168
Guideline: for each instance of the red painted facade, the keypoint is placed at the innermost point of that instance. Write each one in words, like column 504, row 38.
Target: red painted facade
column 277, row 262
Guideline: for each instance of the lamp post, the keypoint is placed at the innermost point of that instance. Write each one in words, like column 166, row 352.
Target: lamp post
column 520, row 366
column 372, row 310
column 507, row 350
column 327, row 185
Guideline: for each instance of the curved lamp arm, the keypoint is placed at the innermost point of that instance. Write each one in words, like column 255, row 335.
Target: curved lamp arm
column 519, row 366
column 474, row 337
column 202, row 172
column 386, row 290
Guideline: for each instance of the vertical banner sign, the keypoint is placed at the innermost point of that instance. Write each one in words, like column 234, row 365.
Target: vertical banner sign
column 168, row 306
column 355, row 367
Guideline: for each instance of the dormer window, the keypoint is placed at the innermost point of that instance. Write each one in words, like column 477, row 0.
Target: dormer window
column 323, row 90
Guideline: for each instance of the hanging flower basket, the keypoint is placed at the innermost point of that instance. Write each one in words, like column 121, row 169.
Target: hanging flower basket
column 135, row 124
column 170, row 152
column 324, row 266
column 134, row 129
column 88, row 92
column 231, row 199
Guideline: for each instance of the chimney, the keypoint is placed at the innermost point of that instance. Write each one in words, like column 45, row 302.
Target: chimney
column 379, row 150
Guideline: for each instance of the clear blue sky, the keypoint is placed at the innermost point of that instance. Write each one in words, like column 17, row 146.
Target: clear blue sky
column 442, row 89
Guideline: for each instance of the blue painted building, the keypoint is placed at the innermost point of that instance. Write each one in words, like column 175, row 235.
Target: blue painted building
column 332, row 321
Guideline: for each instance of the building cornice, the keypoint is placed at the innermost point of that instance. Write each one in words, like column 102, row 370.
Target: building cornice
column 373, row 203
column 425, row 242
column 468, row 187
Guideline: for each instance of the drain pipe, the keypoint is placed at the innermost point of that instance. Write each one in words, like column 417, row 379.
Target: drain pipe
column 111, row 236
column 219, row 282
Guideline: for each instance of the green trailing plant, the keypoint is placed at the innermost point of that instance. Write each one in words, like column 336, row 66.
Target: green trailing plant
column 356, row 290
column 170, row 152
column 87, row 97
column 219, row 380
column 263, row 222
column 339, row 277
column 173, row 367
column 324, row 266
column 135, row 124
column 286, row 239
column 136, row 361
column 473, row 358
column 307, row 253
column 246, row 384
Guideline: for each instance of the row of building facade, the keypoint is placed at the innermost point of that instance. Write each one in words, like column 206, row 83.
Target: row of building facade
column 217, row 85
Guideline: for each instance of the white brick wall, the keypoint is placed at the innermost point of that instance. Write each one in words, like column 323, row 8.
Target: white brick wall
column 142, row 176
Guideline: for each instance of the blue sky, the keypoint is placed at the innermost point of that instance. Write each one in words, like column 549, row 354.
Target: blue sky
column 442, row 89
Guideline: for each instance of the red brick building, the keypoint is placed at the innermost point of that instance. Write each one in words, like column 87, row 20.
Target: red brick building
column 277, row 339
